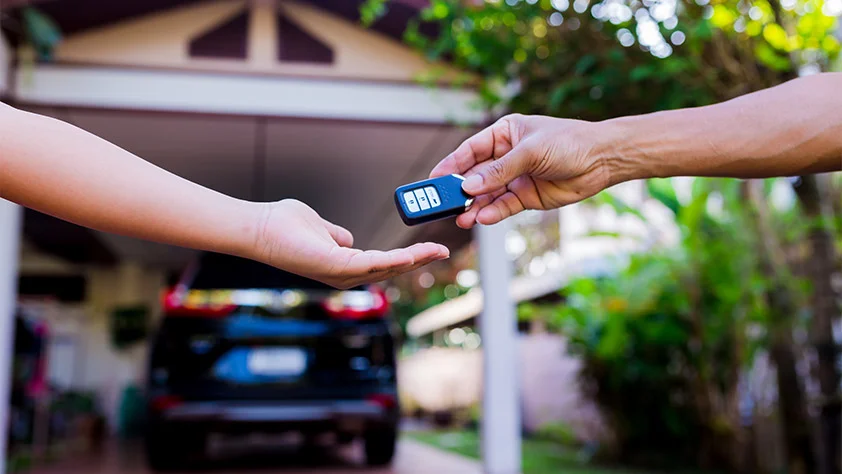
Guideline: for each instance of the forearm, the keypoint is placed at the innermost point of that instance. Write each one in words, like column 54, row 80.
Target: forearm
column 792, row 129
column 63, row 171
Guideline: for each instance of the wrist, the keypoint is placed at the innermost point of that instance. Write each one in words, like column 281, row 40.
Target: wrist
column 624, row 148
column 249, row 240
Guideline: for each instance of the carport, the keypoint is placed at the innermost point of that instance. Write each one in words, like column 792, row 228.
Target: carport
column 261, row 100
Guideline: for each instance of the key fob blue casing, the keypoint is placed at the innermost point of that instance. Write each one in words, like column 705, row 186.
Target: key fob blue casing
column 432, row 199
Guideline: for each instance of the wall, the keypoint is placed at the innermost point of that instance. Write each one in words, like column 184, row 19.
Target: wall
column 81, row 353
column 551, row 391
column 161, row 40
column 106, row 369
column 439, row 378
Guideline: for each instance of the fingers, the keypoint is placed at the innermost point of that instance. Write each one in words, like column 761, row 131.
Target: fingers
column 501, row 208
column 491, row 175
column 468, row 219
column 373, row 265
column 341, row 235
column 372, row 262
column 422, row 258
column 493, row 141
column 428, row 251
column 399, row 271
column 474, row 150
column 491, row 208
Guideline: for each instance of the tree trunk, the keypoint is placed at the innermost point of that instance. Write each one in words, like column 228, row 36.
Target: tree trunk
column 820, row 268
column 835, row 198
column 782, row 307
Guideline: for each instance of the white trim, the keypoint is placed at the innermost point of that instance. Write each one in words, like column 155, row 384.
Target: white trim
column 523, row 288
column 470, row 304
column 501, row 424
column 11, row 219
column 102, row 87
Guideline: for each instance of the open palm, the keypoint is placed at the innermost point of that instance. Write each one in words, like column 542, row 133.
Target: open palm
column 294, row 237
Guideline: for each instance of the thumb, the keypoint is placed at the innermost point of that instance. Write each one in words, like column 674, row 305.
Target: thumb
column 492, row 175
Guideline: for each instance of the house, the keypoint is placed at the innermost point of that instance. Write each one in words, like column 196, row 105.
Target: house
column 261, row 100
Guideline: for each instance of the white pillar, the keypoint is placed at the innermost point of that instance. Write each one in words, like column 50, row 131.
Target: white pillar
column 5, row 63
column 498, row 329
column 10, row 233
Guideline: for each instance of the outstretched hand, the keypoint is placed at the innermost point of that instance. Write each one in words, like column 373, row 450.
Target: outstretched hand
column 294, row 237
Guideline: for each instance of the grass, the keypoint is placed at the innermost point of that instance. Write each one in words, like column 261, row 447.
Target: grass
column 539, row 457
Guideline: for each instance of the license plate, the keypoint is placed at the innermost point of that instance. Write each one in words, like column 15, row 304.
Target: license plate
column 277, row 362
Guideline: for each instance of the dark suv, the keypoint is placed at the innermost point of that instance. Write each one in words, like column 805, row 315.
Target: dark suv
column 246, row 348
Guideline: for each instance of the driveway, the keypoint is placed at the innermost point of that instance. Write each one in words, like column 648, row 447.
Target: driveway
column 412, row 457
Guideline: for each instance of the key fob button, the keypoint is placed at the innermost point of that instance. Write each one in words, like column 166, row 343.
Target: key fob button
column 433, row 196
column 422, row 199
column 411, row 203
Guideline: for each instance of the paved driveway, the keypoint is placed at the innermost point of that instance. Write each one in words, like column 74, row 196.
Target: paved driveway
column 412, row 457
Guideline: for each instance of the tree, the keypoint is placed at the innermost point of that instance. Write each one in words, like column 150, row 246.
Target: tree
column 595, row 60
column 821, row 266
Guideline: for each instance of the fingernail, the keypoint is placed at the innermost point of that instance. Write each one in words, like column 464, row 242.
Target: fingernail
column 473, row 183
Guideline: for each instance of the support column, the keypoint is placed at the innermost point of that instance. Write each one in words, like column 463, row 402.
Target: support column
column 498, row 328
column 5, row 64
column 10, row 233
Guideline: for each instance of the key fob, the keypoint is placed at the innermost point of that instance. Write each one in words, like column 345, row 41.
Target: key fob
column 432, row 199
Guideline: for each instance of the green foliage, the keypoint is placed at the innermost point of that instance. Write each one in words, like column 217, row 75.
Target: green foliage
column 558, row 432
column 539, row 456
column 371, row 10
column 600, row 59
column 41, row 32
column 665, row 340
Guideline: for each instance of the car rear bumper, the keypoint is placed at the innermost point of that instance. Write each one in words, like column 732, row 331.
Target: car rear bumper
column 352, row 410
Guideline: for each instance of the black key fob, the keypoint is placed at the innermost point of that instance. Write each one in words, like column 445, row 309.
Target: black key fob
column 432, row 199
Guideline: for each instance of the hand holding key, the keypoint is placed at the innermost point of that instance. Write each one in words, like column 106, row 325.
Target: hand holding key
column 533, row 162
column 525, row 162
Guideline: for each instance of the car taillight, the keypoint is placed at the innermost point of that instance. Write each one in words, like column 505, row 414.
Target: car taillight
column 165, row 402
column 357, row 304
column 179, row 302
column 383, row 400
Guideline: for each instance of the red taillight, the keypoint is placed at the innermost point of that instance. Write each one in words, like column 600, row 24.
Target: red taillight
column 176, row 303
column 165, row 402
column 357, row 304
column 382, row 400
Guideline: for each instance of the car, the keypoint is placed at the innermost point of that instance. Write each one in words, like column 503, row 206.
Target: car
column 245, row 348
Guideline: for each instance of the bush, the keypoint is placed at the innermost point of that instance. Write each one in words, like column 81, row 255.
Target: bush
column 558, row 432
column 645, row 368
column 664, row 341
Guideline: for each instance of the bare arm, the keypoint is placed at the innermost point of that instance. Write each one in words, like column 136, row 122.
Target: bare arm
column 58, row 169
column 53, row 167
column 791, row 129
column 534, row 162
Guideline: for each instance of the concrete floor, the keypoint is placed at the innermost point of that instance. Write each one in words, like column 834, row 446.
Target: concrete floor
column 412, row 457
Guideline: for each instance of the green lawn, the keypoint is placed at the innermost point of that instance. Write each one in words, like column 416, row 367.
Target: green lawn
column 539, row 457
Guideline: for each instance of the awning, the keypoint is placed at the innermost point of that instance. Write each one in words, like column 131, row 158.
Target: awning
column 524, row 288
column 258, row 100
